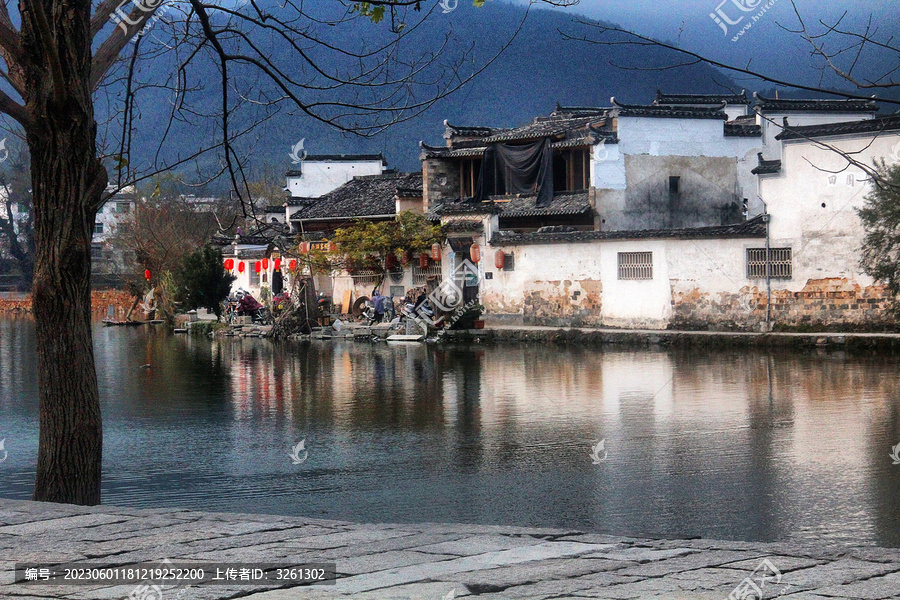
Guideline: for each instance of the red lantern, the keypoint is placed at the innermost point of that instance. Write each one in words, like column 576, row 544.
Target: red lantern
column 256, row 266
column 499, row 259
column 241, row 267
column 293, row 265
column 423, row 261
column 332, row 247
column 229, row 264
column 304, row 247
column 390, row 261
column 475, row 253
column 436, row 251
column 277, row 264
column 265, row 264
column 147, row 274
column 405, row 257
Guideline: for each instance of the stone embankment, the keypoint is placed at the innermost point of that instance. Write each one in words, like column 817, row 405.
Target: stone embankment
column 423, row 561
column 664, row 338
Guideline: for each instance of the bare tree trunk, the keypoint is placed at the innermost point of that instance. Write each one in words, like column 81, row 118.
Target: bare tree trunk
column 67, row 180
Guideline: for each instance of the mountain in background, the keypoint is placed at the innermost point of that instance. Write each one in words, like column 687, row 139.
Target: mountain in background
column 538, row 70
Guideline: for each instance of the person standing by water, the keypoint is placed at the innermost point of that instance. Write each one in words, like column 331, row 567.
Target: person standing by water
column 378, row 300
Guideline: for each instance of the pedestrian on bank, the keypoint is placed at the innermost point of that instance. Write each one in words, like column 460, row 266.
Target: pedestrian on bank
column 378, row 300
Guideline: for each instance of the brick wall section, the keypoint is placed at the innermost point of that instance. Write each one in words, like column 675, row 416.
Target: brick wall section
column 823, row 303
column 100, row 300
column 440, row 181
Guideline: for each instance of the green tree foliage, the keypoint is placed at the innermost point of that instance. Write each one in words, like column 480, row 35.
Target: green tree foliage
column 202, row 281
column 366, row 244
column 880, row 216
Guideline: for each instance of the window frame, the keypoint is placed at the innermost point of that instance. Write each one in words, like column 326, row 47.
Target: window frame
column 630, row 267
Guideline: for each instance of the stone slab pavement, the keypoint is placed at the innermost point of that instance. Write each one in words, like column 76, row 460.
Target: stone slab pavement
column 422, row 561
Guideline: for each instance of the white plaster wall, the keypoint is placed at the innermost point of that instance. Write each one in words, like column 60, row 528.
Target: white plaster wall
column 771, row 124
column 608, row 167
column 635, row 303
column 710, row 266
column 684, row 137
column 680, row 137
column 320, row 177
column 825, row 239
column 536, row 263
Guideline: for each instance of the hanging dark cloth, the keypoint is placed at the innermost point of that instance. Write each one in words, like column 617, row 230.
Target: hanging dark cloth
column 523, row 169
column 277, row 283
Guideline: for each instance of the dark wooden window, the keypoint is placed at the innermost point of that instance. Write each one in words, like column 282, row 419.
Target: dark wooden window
column 674, row 185
column 571, row 170
column 469, row 170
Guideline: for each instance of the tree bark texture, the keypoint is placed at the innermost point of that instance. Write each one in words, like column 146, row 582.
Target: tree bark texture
column 67, row 181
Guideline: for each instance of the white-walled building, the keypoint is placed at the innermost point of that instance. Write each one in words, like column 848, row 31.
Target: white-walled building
column 670, row 225
column 118, row 208
column 319, row 174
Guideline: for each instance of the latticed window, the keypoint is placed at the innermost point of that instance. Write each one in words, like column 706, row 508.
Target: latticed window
column 780, row 263
column 421, row 276
column 635, row 265
column 365, row 277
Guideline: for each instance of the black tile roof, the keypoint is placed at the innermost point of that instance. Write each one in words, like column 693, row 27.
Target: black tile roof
column 365, row 196
column 549, row 127
column 564, row 203
column 712, row 99
column 344, row 158
column 580, row 111
column 670, row 112
column 766, row 166
column 463, row 226
column 742, row 128
column 754, row 228
column 444, row 152
column 464, row 207
column 777, row 105
column 300, row 200
column 467, row 131
column 890, row 123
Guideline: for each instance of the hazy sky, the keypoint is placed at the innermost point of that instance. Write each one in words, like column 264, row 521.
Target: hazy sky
column 765, row 45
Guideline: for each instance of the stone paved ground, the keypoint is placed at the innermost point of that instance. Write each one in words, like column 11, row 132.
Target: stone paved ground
column 424, row 562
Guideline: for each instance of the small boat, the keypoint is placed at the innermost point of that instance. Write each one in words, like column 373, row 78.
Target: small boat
column 113, row 323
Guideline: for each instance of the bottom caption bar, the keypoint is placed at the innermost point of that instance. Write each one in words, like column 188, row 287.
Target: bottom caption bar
column 177, row 574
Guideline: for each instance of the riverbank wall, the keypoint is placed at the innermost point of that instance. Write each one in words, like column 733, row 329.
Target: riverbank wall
column 671, row 338
column 101, row 300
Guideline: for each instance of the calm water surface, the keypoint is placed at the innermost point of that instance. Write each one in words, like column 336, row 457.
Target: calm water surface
column 722, row 444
